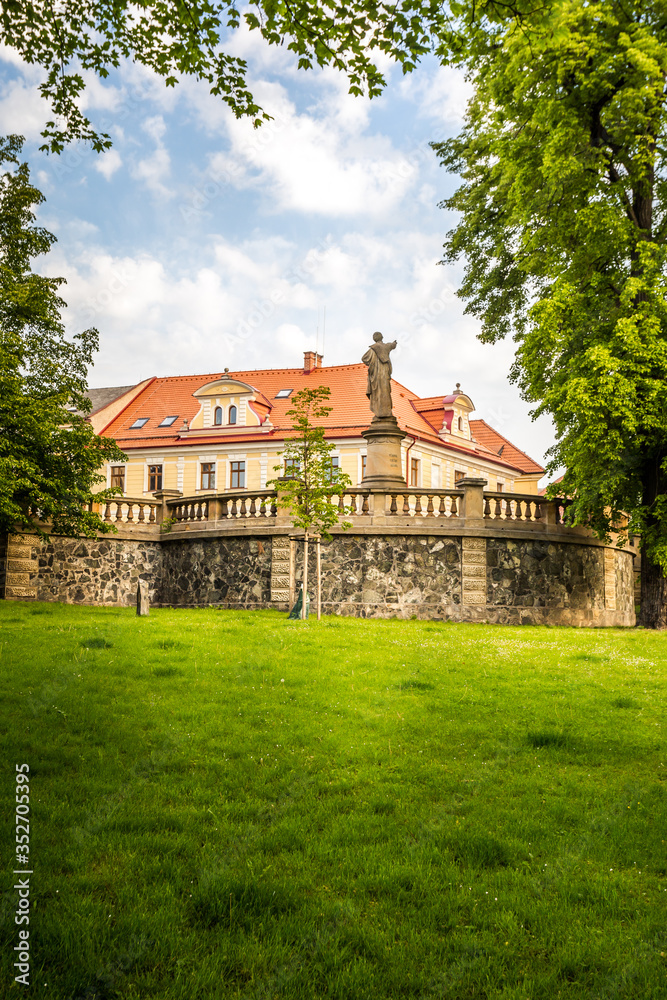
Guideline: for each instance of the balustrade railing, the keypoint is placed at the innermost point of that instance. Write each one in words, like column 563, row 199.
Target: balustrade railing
column 262, row 504
column 425, row 503
column 126, row 510
column 513, row 507
column 189, row 510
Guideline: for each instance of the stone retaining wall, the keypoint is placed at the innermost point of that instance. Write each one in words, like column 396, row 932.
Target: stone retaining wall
column 372, row 573
column 103, row 570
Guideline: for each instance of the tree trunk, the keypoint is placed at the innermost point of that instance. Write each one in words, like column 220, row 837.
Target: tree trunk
column 653, row 611
column 304, row 589
column 319, row 579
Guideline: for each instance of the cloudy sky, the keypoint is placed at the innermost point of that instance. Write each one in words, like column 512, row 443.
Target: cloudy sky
column 199, row 243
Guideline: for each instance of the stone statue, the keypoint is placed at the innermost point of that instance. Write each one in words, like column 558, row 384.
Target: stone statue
column 379, row 376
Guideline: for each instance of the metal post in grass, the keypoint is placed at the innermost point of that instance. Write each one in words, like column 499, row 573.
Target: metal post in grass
column 310, row 483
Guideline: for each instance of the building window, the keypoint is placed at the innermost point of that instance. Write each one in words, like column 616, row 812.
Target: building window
column 154, row 478
column 238, row 475
column 414, row 472
column 232, row 414
column 335, row 468
column 208, row 475
column 118, row 477
column 291, row 468
column 139, row 422
column 217, row 416
column 168, row 421
column 363, row 466
column 499, row 487
column 460, row 424
column 283, row 394
column 435, row 476
column 458, row 474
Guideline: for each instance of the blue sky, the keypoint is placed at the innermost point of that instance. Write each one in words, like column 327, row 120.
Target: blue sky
column 199, row 243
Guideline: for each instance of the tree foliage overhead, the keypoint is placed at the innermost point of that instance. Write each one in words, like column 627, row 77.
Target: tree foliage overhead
column 563, row 226
column 186, row 37
column 49, row 453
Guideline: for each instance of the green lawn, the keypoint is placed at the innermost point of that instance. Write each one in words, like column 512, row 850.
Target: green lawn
column 230, row 804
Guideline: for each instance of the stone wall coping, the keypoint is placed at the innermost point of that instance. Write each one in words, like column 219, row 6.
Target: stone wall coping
column 425, row 528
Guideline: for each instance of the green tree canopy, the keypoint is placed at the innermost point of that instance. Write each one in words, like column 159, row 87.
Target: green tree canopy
column 563, row 226
column 187, row 37
column 49, row 454
column 309, row 478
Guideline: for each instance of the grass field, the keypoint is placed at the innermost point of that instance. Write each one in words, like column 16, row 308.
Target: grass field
column 228, row 804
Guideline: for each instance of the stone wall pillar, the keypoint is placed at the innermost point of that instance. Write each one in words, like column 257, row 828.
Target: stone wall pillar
column 472, row 505
column 162, row 496
column 280, row 570
column 473, row 572
column 20, row 564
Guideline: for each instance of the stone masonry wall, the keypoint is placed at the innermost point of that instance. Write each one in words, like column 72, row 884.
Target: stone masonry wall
column 379, row 576
column 514, row 581
column 542, row 574
column 232, row 572
column 102, row 570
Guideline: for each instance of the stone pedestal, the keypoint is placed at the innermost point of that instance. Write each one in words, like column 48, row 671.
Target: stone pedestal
column 383, row 460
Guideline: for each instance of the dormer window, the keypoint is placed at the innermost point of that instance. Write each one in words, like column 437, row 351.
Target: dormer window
column 168, row 421
column 460, row 424
column 217, row 416
column 232, row 414
column 284, row 393
column 138, row 423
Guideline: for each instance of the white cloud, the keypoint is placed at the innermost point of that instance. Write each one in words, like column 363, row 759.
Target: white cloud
column 154, row 169
column 108, row 163
column 322, row 164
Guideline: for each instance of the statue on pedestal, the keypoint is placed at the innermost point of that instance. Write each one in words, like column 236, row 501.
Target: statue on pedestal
column 379, row 376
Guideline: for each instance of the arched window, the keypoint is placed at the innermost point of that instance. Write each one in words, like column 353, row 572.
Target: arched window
column 217, row 418
column 460, row 424
column 232, row 414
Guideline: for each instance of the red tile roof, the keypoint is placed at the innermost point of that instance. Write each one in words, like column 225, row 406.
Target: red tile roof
column 501, row 447
column 173, row 396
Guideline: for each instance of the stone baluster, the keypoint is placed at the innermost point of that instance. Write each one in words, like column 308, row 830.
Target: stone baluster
column 418, row 504
column 454, row 507
column 429, row 505
column 364, row 504
column 406, row 504
column 487, row 507
column 141, row 517
column 253, row 507
column 517, row 510
column 152, row 513
column 107, row 511
column 442, row 509
column 393, row 507
column 498, row 512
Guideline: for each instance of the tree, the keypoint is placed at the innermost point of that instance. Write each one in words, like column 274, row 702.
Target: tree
column 563, row 226
column 186, row 37
column 49, row 454
column 310, row 479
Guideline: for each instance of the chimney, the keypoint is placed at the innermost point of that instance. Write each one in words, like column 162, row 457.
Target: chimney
column 311, row 360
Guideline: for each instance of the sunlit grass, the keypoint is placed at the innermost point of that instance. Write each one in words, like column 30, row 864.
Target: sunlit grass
column 230, row 804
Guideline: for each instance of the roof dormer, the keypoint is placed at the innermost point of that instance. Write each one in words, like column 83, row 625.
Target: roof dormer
column 228, row 405
column 458, row 407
